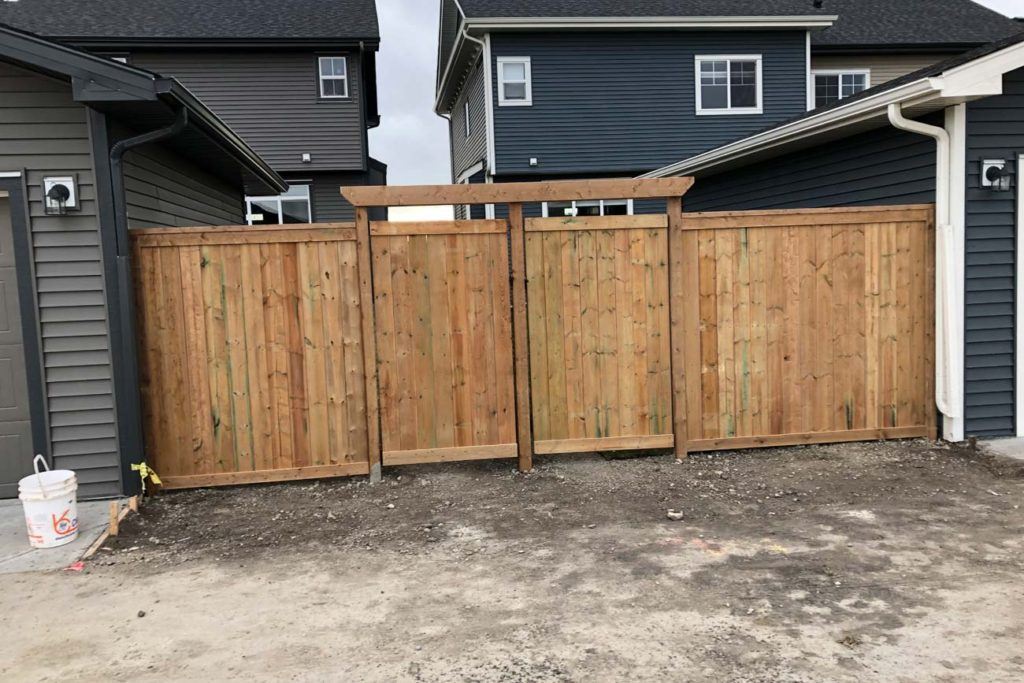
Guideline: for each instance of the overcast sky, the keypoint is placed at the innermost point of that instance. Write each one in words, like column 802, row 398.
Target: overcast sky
column 412, row 140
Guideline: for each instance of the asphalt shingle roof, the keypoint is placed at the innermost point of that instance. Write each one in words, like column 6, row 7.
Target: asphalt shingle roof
column 195, row 19
column 914, row 22
column 861, row 22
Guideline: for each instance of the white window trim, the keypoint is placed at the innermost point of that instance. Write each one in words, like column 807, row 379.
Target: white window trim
column 1020, row 296
column 502, row 102
column 277, row 199
column 629, row 207
column 813, row 97
column 731, row 111
column 468, row 121
column 321, row 78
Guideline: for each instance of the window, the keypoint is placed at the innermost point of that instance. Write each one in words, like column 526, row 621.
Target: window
column 469, row 120
column 729, row 85
column 514, row 82
column 333, row 77
column 832, row 86
column 603, row 207
column 291, row 207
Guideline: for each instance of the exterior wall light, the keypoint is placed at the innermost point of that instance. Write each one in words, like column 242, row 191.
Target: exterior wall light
column 61, row 195
column 995, row 175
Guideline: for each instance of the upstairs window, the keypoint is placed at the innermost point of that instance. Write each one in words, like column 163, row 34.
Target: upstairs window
column 729, row 84
column 333, row 77
column 603, row 207
column 832, row 86
column 514, row 82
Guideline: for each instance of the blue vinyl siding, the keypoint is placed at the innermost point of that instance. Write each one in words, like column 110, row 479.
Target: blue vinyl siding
column 995, row 130
column 625, row 102
column 883, row 166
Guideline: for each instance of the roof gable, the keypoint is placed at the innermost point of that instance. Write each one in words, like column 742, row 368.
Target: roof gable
column 201, row 20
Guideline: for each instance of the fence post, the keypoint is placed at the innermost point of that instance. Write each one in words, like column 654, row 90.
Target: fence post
column 678, row 296
column 366, row 314
column 520, row 338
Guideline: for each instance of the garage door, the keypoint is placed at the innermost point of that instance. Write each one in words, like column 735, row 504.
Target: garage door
column 15, row 424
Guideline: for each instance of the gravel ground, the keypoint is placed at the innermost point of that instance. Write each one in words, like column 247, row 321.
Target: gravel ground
column 861, row 562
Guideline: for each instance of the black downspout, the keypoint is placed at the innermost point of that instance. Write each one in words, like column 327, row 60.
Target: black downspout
column 130, row 402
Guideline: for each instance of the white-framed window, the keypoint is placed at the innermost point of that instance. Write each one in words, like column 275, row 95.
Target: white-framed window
column 729, row 84
column 830, row 86
column 515, row 82
column 595, row 207
column 291, row 207
column 333, row 77
column 468, row 117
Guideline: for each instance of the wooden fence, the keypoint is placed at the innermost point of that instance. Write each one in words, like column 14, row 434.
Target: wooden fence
column 808, row 326
column 297, row 352
column 444, row 340
column 251, row 355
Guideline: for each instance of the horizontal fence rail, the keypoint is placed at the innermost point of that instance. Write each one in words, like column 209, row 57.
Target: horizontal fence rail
column 291, row 352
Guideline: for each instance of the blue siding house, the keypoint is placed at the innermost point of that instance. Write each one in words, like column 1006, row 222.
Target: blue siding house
column 966, row 157
column 569, row 89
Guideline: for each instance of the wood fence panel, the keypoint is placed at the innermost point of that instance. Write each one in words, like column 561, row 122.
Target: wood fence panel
column 250, row 354
column 814, row 326
column 444, row 337
column 599, row 333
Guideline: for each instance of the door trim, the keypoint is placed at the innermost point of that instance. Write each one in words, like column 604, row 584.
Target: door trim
column 1019, row 326
column 14, row 183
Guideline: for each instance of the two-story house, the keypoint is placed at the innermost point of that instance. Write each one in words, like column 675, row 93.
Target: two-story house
column 567, row 89
column 296, row 79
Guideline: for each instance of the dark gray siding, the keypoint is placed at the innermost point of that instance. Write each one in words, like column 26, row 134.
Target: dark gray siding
column 467, row 151
column 995, row 130
column 325, row 194
column 626, row 103
column 44, row 131
column 884, row 166
column 272, row 100
column 165, row 191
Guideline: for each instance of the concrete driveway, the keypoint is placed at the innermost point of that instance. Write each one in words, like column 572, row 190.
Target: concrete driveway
column 16, row 555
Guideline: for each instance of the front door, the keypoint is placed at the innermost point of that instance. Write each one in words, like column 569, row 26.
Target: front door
column 15, row 420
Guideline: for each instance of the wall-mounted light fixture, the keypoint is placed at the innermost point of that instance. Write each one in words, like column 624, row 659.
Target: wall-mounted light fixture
column 995, row 175
column 61, row 194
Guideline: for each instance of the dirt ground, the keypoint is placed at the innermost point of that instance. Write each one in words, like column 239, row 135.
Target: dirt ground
column 867, row 562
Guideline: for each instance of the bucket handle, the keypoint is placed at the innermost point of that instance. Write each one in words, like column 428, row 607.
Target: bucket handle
column 35, row 465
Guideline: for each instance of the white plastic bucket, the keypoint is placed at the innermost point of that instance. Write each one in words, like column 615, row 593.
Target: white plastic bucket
column 51, row 505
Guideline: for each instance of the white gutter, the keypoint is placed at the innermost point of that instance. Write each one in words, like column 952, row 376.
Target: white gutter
column 948, row 388
column 561, row 23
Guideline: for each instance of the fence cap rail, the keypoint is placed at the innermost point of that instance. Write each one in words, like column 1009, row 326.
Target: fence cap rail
column 515, row 193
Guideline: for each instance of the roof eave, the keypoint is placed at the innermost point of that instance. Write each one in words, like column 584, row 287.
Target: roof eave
column 917, row 91
column 106, row 42
column 484, row 24
column 219, row 132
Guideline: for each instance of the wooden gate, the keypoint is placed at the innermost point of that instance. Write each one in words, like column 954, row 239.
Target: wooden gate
column 444, row 340
column 600, row 356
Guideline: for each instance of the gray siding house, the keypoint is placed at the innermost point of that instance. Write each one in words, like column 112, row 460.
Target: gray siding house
column 296, row 79
column 862, row 152
column 565, row 89
column 132, row 149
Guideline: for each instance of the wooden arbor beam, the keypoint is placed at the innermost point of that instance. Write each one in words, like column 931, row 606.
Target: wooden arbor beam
column 513, row 193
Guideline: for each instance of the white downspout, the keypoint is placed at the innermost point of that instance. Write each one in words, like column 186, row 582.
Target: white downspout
column 948, row 346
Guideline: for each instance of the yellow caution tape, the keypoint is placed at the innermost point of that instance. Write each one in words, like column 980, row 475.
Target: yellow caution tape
column 146, row 472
